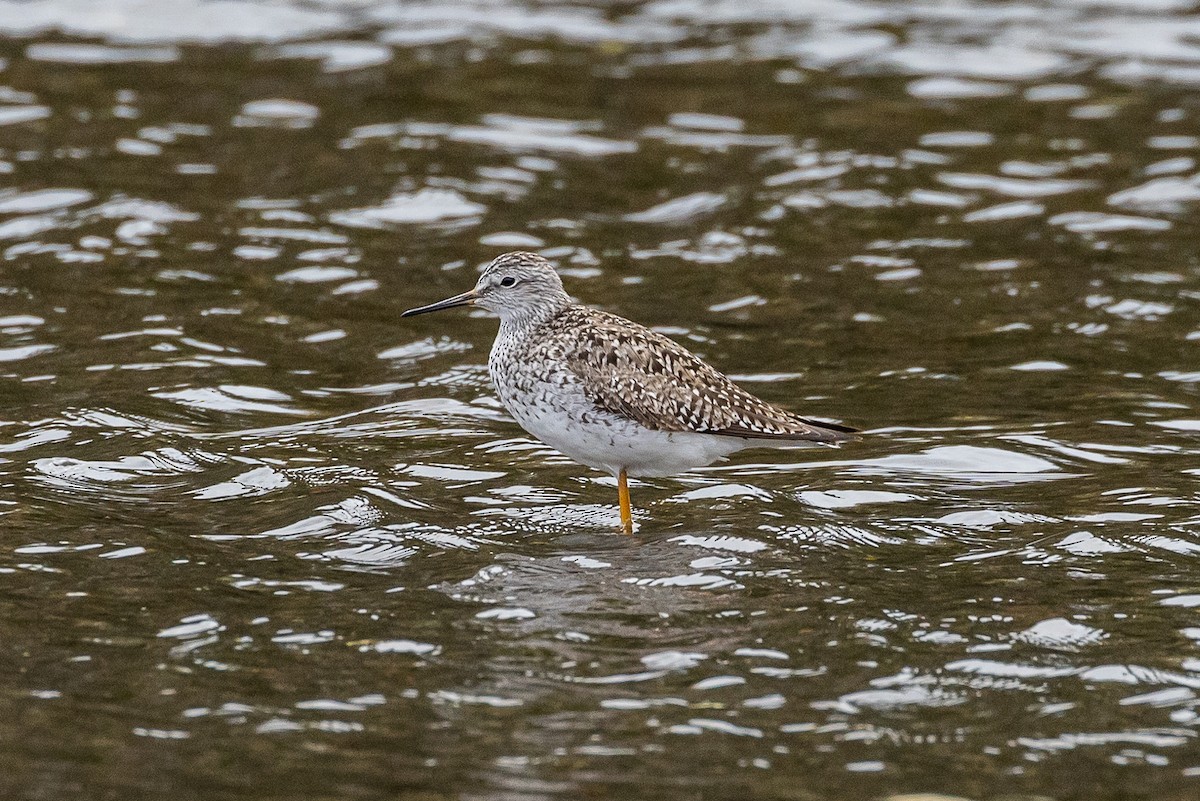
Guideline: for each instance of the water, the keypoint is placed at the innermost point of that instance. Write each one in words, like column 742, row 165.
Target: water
column 263, row 539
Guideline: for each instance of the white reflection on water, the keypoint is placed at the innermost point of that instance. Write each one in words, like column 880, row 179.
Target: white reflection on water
column 422, row 207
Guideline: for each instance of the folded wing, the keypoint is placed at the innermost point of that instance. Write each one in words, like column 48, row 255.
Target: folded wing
column 630, row 370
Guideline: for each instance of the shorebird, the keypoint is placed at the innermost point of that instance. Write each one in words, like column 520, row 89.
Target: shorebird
column 610, row 393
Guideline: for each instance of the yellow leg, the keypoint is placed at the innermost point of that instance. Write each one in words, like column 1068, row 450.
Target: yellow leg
column 623, row 496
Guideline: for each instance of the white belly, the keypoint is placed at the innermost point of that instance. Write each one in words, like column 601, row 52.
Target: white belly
column 561, row 417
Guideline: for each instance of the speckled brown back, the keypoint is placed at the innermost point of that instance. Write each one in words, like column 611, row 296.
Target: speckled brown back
column 627, row 369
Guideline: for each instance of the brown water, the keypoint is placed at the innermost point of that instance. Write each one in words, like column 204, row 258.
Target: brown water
column 262, row 539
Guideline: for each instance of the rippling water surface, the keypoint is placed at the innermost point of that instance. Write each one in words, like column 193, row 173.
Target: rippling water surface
column 263, row 539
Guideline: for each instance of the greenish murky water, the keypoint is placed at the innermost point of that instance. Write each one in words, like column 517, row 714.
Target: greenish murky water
column 264, row 540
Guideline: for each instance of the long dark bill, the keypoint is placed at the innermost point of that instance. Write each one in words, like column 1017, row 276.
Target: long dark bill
column 465, row 299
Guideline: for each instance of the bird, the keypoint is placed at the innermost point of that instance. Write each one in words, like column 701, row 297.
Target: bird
column 610, row 393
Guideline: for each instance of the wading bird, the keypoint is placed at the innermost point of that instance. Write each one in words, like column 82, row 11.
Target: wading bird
column 612, row 394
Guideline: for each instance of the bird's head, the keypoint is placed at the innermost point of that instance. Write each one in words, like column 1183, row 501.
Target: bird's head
column 515, row 286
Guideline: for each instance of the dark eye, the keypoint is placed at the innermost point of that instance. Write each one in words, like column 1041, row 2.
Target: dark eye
column 509, row 281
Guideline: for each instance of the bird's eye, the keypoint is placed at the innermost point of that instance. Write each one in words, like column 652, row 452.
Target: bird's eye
column 509, row 281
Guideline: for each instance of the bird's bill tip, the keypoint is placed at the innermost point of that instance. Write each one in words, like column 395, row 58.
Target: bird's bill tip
column 464, row 299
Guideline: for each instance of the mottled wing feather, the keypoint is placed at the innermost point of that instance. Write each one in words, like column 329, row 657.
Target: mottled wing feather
column 630, row 370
